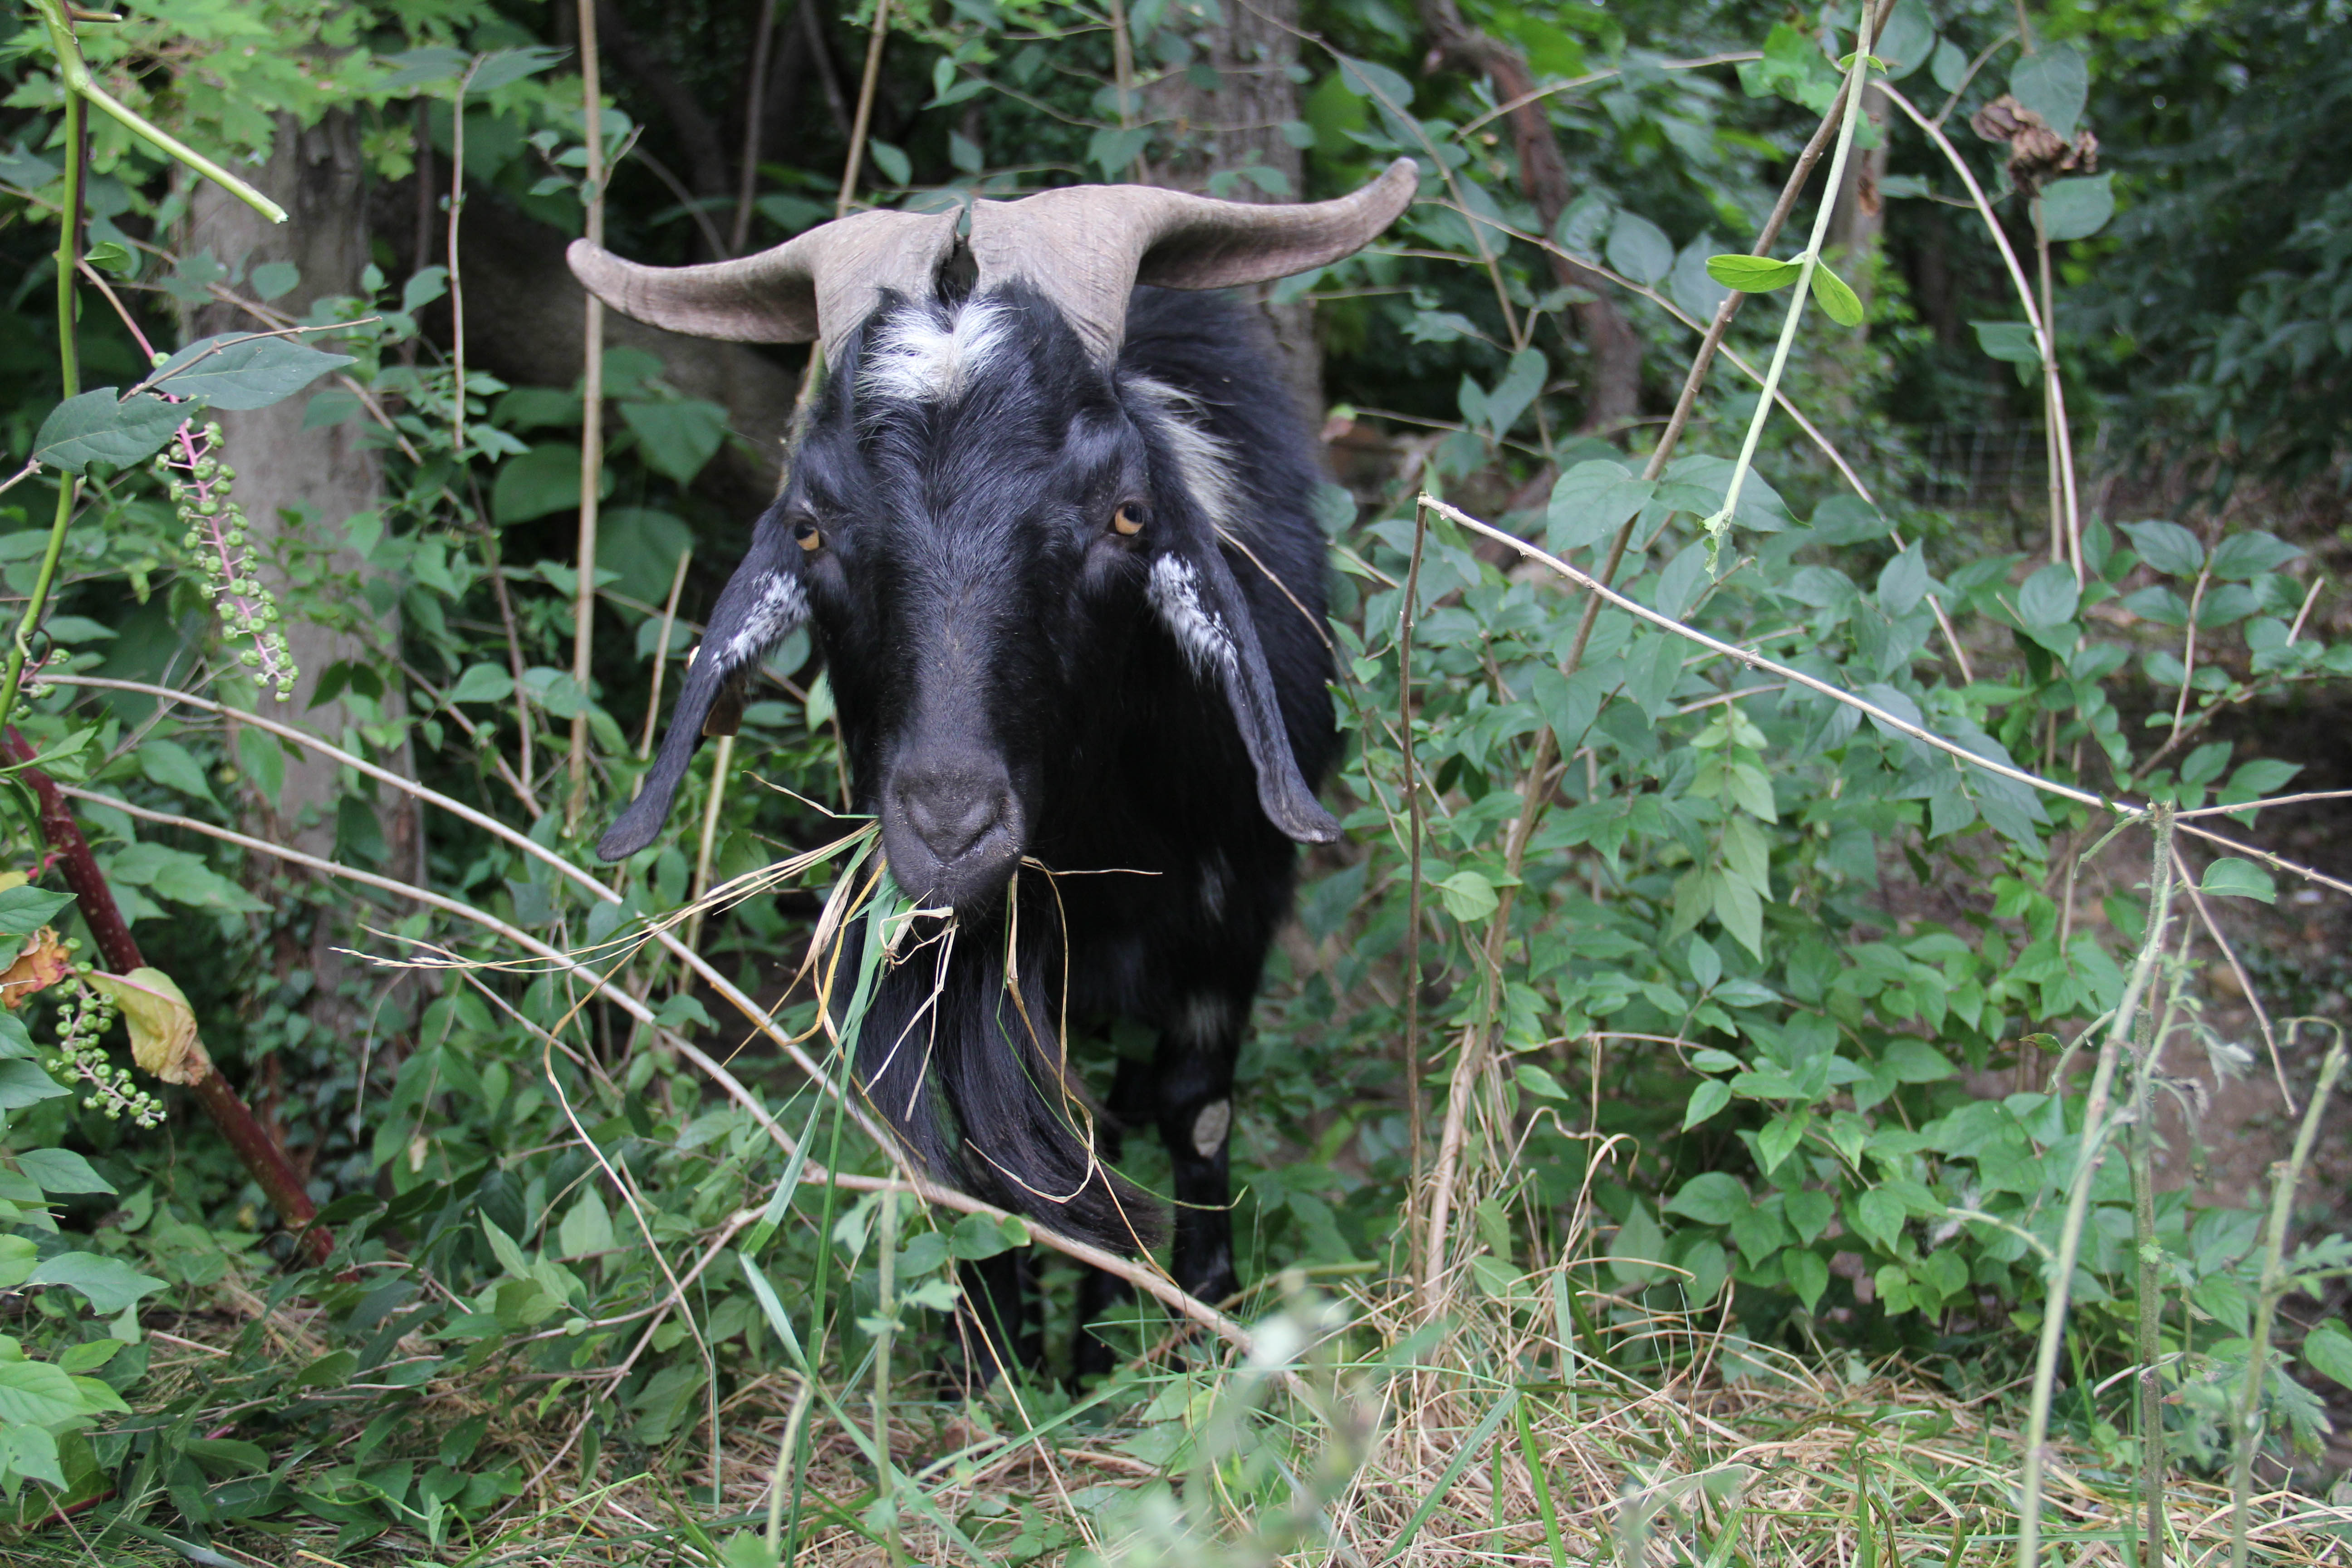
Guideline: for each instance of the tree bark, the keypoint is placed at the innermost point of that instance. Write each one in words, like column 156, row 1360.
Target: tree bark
column 1612, row 397
column 1225, row 112
column 299, row 487
column 1860, row 216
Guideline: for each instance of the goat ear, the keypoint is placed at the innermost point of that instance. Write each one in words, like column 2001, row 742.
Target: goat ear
column 760, row 604
column 1196, row 596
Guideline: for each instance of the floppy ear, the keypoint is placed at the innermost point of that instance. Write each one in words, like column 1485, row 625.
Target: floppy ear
column 760, row 604
column 1196, row 596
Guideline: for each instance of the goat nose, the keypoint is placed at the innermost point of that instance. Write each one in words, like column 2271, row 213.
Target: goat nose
column 951, row 810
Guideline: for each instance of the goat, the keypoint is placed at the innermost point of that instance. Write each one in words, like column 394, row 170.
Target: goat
column 1052, row 521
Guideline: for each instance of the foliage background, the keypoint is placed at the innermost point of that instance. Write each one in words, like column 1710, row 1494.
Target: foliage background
column 1750, row 1021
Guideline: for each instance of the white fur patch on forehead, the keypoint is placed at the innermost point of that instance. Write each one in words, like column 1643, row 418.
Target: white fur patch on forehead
column 929, row 352
column 783, row 604
column 1175, row 593
column 1203, row 465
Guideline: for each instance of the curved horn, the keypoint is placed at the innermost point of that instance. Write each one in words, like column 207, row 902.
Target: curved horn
column 1085, row 247
column 823, row 283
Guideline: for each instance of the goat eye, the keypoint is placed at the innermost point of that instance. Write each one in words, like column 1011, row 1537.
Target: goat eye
column 1129, row 518
column 808, row 534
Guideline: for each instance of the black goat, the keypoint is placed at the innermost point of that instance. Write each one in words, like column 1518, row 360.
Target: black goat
column 1055, row 535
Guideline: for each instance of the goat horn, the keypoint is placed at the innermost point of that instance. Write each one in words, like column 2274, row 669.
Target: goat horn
column 820, row 284
column 1082, row 246
column 1085, row 247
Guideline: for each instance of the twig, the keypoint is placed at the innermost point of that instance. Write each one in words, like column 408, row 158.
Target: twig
column 2286, row 1176
column 1416, row 1110
column 754, row 114
column 2245, row 982
column 864, row 122
column 592, row 424
column 2089, row 1152
column 456, row 272
column 661, row 662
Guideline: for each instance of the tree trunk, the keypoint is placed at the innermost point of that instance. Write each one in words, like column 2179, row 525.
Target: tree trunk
column 299, row 487
column 1860, row 214
column 1224, row 113
column 1612, row 393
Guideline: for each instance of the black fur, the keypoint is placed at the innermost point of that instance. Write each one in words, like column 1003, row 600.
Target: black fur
column 1007, row 690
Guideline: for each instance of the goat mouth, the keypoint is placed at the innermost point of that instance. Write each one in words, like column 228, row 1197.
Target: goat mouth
column 971, row 881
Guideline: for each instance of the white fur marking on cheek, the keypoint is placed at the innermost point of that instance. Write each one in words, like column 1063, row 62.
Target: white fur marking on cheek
column 1175, row 593
column 782, row 606
column 922, row 353
column 1209, row 1127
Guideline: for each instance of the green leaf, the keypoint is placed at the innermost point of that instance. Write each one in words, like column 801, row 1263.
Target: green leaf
column 504, row 68
column 1807, row 1273
column 1640, row 248
column 2077, row 209
column 34, row 1394
column 109, row 1283
column 1752, row 274
column 1540, row 1082
column 543, row 480
column 25, row 909
column 237, row 370
column 96, row 429
column 2247, row 555
column 503, row 1247
column 23, row 1083
column 1713, row 1198
column 2233, row 879
column 61, row 1171
column 587, row 1227
column 170, row 764
column 2168, row 547
column 2053, row 81
column 1831, row 293
column 2327, row 1350
column 111, row 256
column 894, row 164
column 1468, row 896
column 2048, row 598
column 482, row 683
column 1638, row 1249
column 1591, row 501
column 2011, row 342
column 273, row 279
column 678, row 438
column 1711, row 1096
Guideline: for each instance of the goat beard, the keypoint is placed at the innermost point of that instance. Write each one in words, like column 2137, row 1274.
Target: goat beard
column 966, row 1056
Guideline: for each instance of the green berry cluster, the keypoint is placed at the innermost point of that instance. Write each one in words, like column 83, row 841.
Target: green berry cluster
column 200, row 485
column 82, row 1023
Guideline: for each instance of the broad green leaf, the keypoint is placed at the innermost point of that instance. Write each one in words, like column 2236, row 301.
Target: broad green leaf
column 34, row 1394
column 1752, row 274
column 61, row 1171
column 2077, row 208
column 1907, row 40
column 1540, row 1082
column 2048, row 598
column 482, row 683
column 1468, row 896
column 1640, row 248
column 2247, row 555
column 1831, row 293
column 23, row 1083
column 1638, row 1249
column 238, row 370
column 2327, row 1350
column 892, row 162
column 2233, row 879
column 1711, row 1096
column 1591, row 501
column 2168, row 547
column 1712, row 1197
column 173, row 765
column 97, row 428
column 1807, row 1273
column 543, row 480
column 2053, row 81
column 1809, row 1211
column 25, row 909
column 678, row 438
column 2011, row 342
column 587, row 1227
column 109, row 1283
column 504, row 68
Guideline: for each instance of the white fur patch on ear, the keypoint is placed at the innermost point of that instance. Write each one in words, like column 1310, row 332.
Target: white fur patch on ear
column 1204, row 464
column 929, row 352
column 1175, row 592
column 783, row 604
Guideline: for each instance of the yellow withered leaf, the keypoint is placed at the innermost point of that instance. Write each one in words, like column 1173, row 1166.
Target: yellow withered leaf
column 163, row 1026
column 43, row 963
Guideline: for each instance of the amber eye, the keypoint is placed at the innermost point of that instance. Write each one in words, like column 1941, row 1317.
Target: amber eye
column 1129, row 518
column 810, row 535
